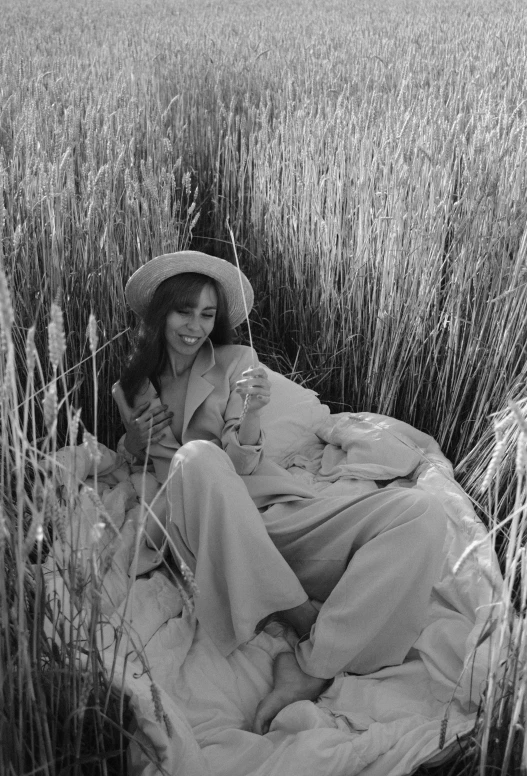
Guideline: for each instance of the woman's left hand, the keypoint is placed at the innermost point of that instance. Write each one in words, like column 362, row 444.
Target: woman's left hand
column 254, row 383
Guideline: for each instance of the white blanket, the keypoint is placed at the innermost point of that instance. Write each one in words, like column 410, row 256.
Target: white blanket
column 386, row 723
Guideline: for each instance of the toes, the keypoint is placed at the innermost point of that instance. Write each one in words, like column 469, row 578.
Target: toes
column 262, row 720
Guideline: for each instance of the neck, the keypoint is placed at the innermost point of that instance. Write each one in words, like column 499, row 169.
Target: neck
column 177, row 365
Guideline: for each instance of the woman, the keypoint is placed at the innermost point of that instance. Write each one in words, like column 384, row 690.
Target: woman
column 352, row 576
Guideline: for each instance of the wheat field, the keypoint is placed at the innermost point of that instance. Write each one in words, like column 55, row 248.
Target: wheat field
column 370, row 159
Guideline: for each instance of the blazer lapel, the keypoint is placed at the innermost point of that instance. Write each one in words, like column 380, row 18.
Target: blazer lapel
column 198, row 386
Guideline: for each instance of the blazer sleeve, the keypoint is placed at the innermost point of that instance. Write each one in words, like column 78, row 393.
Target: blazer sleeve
column 245, row 458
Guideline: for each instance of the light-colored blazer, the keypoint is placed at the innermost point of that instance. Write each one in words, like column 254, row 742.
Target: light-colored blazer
column 212, row 412
column 212, row 408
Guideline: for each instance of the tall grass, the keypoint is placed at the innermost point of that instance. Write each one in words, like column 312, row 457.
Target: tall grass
column 66, row 631
column 498, row 744
column 59, row 712
column 501, row 728
column 385, row 220
column 370, row 157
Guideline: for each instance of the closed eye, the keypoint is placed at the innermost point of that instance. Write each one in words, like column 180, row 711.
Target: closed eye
column 204, row 314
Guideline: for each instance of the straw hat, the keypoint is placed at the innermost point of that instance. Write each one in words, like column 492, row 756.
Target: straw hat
column 143, row 283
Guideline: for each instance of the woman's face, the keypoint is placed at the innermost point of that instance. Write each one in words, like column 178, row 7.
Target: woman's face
column 187, row 329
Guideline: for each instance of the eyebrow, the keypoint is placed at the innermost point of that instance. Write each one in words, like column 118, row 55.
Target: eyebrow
column 193, row 307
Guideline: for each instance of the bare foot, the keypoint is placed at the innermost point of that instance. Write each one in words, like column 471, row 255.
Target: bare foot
column 290, row 684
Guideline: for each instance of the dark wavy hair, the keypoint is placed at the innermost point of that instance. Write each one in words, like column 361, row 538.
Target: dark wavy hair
column 149, row 357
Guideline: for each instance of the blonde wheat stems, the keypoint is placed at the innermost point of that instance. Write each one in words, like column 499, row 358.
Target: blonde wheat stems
column 371, row 163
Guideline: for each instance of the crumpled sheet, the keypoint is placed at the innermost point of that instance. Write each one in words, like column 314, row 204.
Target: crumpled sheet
column 383, row 724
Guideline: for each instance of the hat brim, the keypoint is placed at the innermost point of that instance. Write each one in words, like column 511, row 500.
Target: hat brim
column 143, row 283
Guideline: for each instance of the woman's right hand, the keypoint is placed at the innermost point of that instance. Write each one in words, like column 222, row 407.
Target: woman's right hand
column 146, row 426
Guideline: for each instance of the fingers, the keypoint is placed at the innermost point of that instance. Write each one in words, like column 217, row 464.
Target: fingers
column 160, row 417
column 157, row 437
column 149, row 423
column 253, row 390
column 258, row 396
column 139, row 411
column 155, row 430
column 256, row 371
column 154, row 415
column 254, row 382
column 158, row 427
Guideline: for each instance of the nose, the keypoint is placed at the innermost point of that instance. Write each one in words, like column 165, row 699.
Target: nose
column 193, row 324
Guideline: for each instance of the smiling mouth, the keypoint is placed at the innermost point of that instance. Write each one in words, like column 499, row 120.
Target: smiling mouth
column 189, row 340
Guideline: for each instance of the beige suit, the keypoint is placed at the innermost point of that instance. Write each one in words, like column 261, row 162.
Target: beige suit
column 258, row 542
column 212, row 411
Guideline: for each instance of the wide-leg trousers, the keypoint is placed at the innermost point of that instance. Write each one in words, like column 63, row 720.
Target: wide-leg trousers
column 370, row 561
